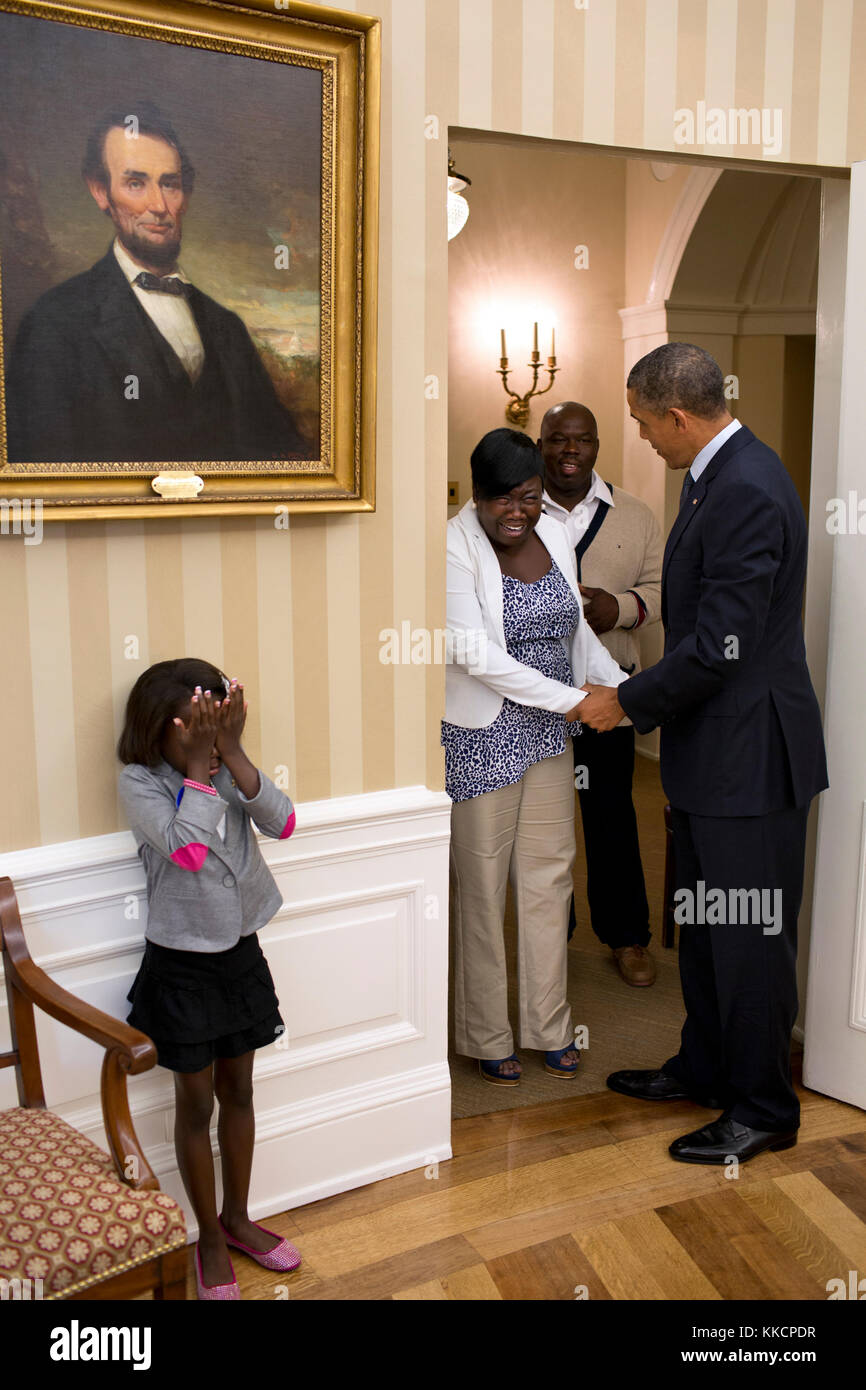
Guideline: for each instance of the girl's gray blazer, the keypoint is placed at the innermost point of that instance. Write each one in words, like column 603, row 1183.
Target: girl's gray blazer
column 203, row 893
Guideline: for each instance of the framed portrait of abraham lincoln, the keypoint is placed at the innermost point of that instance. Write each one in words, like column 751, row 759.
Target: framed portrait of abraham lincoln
column 188, row 257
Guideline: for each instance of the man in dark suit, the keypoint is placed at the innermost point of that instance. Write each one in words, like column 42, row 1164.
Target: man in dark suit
column 129, row 362
column 742, row 755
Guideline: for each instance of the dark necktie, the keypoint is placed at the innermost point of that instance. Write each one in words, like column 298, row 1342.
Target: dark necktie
column 688, row 484
column 163, row 284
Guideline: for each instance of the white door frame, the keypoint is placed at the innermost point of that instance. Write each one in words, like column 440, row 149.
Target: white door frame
column 835, row 1053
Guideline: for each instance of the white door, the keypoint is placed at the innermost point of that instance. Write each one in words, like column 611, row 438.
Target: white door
column 835, row 1026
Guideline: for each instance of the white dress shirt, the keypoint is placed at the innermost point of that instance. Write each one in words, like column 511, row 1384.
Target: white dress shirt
column 576, row 521
column 170, row 313
column 701, row 459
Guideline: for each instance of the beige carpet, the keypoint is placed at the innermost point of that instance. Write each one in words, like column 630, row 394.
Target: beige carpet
column 627, row 1027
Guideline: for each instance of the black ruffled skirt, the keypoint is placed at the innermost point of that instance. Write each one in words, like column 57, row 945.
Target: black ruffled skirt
column 200, row 1005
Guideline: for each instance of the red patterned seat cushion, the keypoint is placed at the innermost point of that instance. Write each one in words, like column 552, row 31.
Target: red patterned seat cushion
column 65, row 1217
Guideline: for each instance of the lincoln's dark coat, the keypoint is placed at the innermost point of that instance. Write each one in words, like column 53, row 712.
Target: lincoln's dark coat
column 92, row 380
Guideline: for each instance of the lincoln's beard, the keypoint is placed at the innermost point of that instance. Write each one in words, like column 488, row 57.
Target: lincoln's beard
column 161, row 253
column 164, row 253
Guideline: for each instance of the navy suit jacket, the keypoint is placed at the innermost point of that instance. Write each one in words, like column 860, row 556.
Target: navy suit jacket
column 740, row 725
column 69, row 396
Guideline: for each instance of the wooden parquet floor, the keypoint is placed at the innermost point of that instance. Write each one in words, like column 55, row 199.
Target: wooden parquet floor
column 580, row 1194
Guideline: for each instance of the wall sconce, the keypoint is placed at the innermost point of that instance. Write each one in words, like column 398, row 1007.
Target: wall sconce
column 458, row 208
column 517, row 409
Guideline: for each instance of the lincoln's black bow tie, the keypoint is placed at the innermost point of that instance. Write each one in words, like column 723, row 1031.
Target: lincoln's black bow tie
column 164, row 284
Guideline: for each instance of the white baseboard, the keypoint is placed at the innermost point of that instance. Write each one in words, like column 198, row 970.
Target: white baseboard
column 358, row 1088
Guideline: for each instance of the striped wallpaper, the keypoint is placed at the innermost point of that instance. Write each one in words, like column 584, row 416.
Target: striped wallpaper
column 297, row 614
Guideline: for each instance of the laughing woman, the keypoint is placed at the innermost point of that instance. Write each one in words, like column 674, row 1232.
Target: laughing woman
column 520, row 647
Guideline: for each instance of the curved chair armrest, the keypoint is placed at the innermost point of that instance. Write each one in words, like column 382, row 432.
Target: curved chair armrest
column 67, row 1008
column 126, row 1049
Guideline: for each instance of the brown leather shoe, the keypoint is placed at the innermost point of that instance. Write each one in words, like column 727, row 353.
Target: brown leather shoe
column 635, row 964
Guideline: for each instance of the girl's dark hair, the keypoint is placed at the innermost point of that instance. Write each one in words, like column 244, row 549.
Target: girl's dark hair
column 157, row 696
column 503, row 460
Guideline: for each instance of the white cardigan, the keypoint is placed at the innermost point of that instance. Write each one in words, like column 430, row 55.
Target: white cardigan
column 480, row 672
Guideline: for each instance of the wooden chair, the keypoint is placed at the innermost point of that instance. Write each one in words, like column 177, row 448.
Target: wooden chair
column 118, row 1236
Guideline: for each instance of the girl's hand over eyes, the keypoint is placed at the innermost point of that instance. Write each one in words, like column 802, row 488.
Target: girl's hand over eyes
column 232, row 718
column 197, row 738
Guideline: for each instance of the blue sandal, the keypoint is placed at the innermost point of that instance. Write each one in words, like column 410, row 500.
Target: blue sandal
column 553, row 1062
column 490, row 1071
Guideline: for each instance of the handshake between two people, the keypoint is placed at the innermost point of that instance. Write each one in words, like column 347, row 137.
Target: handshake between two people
column 599, row 708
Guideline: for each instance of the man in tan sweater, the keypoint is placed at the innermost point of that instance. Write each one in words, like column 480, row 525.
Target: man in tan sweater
column 618, row 546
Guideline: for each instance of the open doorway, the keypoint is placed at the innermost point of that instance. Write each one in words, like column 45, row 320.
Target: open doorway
column 619, row 254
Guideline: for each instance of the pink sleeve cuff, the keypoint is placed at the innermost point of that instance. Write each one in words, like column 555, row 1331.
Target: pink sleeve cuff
column 190, row 857
column 288, row 827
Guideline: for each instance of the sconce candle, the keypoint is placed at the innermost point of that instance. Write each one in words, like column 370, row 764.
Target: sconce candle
column 517, row 409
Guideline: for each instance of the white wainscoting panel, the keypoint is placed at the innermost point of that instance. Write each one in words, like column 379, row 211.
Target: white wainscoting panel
column 358, row 1087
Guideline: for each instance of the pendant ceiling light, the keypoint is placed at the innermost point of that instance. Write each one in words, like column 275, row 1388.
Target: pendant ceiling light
column 458, row 208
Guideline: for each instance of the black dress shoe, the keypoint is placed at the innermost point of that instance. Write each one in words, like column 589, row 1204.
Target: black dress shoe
column 725, row 1139
column 656, row 1085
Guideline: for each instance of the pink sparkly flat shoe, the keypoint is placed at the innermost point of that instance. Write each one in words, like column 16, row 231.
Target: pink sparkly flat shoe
column 223, row 1292
column 284, row 1256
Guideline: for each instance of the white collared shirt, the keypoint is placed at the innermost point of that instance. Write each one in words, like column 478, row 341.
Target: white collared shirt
column 170, row 313
column 576, row 521
column 709, row 451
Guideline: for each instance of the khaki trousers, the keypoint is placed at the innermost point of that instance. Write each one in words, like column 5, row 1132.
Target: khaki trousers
column 525, row 831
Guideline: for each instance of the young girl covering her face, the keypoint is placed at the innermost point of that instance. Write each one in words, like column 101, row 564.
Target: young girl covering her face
column 204, row 992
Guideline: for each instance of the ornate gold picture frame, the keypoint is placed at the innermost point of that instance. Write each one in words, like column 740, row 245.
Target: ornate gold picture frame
column 188, row 257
